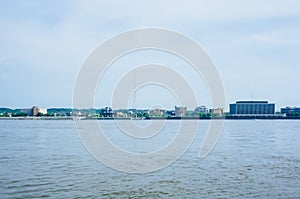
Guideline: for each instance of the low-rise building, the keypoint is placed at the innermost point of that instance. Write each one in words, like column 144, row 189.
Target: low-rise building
column 106, row 112
column 170, row 113
column 119, row 114
column 180, row 111
column 201, row 110
column 290, row 110
column 157, row 112
column 27, row 111
column 216, row 111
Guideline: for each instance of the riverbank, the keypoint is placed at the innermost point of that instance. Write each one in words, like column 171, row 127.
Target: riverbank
column 231, row 117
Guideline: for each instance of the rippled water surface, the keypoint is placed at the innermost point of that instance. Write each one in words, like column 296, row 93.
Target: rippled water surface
column 253, row 159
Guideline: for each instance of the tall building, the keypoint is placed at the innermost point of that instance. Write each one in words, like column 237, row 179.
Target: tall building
column 35, row 111
column 27, row 111
column 252, row 108
column 170, row 113
column 180, row 111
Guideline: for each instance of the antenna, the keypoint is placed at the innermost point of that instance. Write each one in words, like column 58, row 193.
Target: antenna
column 134, row 93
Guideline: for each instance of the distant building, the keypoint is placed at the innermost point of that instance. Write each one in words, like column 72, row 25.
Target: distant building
column 157, row 112
column 27, row 111
column 216, row 111
column 34, row 111
column 252, row 108
column 190, row 113
column 119, row 114
column 290, row 110
column 133, row 111
column 106, row 112
column 143, row 111
column 180, row 111
column 170, row 113
column 43, row 111
column 201, row 109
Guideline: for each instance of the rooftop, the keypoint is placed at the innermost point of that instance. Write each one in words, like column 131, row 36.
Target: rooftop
column 252, row 102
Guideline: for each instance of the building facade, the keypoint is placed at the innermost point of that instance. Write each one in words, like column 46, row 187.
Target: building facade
column 34, row 111
column 180, row 111
column 27, row 111
column 216, row 111
column 290, row 110
column 170, row 113
column 252, row 108
column 201, row 109
column 106, row 112
column 43, row 111
column 157, row 112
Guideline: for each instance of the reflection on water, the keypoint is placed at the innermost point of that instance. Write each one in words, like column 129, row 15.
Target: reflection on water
column 252, row 159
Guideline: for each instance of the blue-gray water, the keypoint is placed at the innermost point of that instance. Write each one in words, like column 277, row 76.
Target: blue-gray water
column 253, row 159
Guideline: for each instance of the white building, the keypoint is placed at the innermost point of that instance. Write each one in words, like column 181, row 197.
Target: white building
column 43, row 111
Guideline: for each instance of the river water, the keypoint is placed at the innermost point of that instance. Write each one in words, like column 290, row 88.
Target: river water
column 252, row 159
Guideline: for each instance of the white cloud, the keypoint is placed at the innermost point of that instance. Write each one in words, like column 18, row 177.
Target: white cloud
column 278, row 37
column 170, row 10
column 90, row 22
column 55, row 49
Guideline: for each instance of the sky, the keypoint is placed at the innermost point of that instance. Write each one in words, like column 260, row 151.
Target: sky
column 255, row 46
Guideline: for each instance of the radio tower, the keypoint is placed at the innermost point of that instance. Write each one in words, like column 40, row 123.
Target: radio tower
column 134, row 93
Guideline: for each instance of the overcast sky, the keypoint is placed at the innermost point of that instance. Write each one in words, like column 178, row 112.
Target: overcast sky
column 254, row 44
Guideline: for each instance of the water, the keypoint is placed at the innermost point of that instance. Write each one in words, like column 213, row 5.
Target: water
column 253, row 159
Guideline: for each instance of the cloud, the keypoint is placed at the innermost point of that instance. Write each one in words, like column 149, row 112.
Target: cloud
column 203, row 10
column 278, row 37
column 54, row 43
column 52, row 39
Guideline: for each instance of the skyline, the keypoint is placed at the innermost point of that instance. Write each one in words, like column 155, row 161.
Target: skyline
column 226, row 109
column 254, row 45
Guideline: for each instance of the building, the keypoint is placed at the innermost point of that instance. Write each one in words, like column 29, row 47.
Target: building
column 201, row 110
column 290, row 110
column 27, row 111
column 43, row 111
column 157, row 112
column 180, row 111
column 216, row 111
column 170, row 113
column 34, row 111
column 252, row 108
column 118, row 114
column 106, row 112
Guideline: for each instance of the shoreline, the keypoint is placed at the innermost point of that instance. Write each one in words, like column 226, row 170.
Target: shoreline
column 156, row 118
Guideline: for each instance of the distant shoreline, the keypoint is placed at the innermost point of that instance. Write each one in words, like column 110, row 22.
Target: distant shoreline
column 157, row 118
